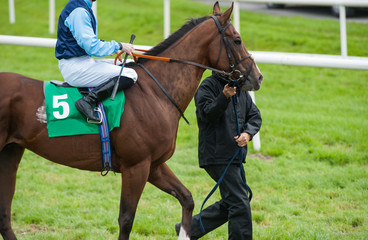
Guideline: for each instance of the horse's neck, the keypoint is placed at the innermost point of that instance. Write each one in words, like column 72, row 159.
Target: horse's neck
column 181, row 80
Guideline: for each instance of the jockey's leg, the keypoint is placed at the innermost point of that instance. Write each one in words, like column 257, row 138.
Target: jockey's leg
column 98, row 73
column 86, row 104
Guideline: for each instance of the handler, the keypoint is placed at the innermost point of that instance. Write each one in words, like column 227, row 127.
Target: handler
column 76, row 42
column 218, row 142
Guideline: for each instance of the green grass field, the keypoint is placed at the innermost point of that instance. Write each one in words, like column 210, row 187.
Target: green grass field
column 310, row 179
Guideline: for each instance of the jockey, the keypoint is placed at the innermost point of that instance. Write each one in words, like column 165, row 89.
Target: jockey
column 76, row 42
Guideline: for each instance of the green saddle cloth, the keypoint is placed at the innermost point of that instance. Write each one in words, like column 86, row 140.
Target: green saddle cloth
column 64, row 119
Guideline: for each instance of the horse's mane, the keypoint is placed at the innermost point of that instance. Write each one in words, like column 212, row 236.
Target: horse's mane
column 189, row 25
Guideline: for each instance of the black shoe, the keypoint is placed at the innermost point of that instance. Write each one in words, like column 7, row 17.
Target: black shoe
column 86, row 105
column 98, row 94
column 177, row 228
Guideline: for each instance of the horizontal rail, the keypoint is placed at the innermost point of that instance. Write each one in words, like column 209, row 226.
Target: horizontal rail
column 38, row 42
column 311, row 60
column 296, row 59
column 28, row 41
column 349, row 3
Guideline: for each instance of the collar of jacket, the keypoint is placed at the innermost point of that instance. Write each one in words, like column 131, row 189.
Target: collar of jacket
column 89, row 3
column 220, row 78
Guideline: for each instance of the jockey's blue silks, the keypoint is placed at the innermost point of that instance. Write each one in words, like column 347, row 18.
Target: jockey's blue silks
column 66, row 45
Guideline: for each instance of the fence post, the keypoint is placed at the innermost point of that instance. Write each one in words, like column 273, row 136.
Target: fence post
column 11, row 11
column 51, row 16
column 256, row 138
column 236, row 12
column 343, row 41
column 166, row 18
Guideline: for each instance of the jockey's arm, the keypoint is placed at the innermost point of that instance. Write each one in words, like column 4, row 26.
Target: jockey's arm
column 79, row 23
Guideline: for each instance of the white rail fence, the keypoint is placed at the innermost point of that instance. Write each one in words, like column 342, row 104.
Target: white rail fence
column 296, row 59
column 341, row 3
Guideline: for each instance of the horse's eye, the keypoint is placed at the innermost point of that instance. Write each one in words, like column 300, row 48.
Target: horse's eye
column 237, row 41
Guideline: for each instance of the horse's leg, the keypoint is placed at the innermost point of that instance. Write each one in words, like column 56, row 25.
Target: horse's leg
column 133, row 181
column 10, row 157
column 163, row 178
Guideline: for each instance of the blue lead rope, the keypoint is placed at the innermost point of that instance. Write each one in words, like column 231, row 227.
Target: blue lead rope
column 242, row 173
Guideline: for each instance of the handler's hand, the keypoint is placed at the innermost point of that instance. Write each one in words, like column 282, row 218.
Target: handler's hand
column 229, row 91
column 243, row 139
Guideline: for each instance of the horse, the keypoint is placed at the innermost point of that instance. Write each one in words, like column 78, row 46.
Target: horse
column 146, row 138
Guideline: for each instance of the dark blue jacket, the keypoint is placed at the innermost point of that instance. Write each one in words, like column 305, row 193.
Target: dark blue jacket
column 66, row 45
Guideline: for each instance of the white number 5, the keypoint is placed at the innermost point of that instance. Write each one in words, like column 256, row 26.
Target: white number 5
column 63, row 104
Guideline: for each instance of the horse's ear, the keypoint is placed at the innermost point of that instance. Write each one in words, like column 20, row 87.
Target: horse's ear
column 216, row 8
column 226, row 15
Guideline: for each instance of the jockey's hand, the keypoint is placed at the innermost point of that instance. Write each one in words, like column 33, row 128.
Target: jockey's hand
column 243, row 139
column 120, row 56
column 128, row 48
column 229, row 91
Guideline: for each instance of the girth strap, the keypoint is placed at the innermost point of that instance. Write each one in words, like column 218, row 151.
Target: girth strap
column 105, row 139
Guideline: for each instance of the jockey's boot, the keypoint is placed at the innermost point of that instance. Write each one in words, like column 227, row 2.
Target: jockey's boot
column 86, row 104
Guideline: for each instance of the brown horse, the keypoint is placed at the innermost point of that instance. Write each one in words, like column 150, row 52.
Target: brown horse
column 147, row 136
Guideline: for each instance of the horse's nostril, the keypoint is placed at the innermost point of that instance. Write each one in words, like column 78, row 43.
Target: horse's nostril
column 260, row 79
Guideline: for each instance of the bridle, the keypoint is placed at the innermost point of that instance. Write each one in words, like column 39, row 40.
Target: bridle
column 234, row 72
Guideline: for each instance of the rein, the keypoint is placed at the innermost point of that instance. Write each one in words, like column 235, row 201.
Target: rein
column 165, row 59
column 154, row 79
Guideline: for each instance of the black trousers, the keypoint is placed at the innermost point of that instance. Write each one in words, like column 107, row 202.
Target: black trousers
column 233, row 207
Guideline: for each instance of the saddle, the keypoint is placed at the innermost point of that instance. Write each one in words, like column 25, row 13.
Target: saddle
column 82, row 90
column 60, row 83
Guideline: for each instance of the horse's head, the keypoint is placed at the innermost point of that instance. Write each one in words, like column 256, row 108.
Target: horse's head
column 228, row 53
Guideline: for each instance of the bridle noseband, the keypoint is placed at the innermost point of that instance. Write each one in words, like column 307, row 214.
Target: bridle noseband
column 236, row 74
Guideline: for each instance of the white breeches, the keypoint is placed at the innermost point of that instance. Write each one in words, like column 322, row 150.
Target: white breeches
column 89, row 72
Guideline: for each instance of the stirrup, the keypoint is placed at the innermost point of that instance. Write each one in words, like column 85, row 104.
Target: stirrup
column 98, row 110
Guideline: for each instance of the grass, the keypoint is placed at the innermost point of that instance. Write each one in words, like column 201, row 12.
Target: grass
column 310, row 179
